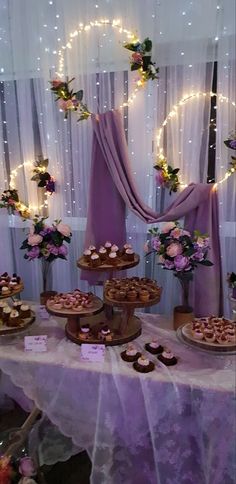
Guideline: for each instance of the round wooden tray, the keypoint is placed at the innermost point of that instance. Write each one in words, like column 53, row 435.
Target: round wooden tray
column 132, row 304
column 66, row 313
column 13, row 293
column 215, row 347
column 122, row 265
column 6, row 330
column 132, row 331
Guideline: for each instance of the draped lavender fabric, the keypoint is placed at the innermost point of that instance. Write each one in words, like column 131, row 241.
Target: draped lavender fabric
column 111, row 171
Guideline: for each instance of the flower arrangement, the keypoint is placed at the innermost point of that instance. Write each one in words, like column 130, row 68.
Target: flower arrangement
column 167, row 176
column 230, row 142
column 231, row 279
column 42, row 177
column 141, row 59
column 10, row 201
column 177, row 249
column 17, row 471
column 69, row 100
column 47, row 241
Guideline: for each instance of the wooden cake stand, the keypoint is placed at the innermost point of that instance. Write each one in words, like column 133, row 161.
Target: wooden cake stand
column 73, row 317
column 185, row 333
column 104, row 267
column 7, row 330
column 13, row 292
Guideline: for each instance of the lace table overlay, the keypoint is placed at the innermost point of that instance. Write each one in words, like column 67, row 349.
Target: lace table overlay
column 175, row 425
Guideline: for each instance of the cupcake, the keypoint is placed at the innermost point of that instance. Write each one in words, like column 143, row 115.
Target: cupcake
column 105, row 333
column 131, row 354
column 57, row 306
column 17, row 305
column 198, row 334
column 114, row 248
column 3, row 304
column 87, row 255
column 102, row 253
column 230, row 333
column 6, row 314
column 6, row 291
column 112, row 258
column 222, row 339
column 209, row 335
column 143, row 365
column 5, row 277
column 129, row 255
column 14, row 318
column 132, row 295
column 154, row 347
column 92, row 248
column 95, row 260
column 125, row 247
column 167, row 358
column 107, row 246
column 25, row 311
column 144, row 295
column 84, row 332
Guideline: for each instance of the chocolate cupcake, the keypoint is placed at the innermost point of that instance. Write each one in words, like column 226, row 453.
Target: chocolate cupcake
column 105, row 333
column 95, row 260
column 17, row 305
column 113, row 259
column 3, row 304
column 132, row 295
column 25, row 311
column 84, row 332
column 87, row 255
column 14, row 319
column 154, row 347
column 143, row 365
column 131, row 354
column 129, row 255
column 102, row 253
column 167, row 358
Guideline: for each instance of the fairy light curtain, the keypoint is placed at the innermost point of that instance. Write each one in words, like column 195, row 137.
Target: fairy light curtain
column 99, row 63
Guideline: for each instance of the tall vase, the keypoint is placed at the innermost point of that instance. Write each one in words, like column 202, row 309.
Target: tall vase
column 47, row 281
column 183, row 314
column 232, row 299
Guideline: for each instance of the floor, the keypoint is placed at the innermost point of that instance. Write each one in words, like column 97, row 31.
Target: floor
column 74, row 471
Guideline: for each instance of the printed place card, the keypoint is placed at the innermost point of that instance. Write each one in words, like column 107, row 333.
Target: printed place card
column 37, row 344
column 90, row 352
column 43, row 313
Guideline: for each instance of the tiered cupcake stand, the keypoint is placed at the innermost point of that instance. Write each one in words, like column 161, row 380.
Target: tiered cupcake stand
column 124, row 325
column 13, row 330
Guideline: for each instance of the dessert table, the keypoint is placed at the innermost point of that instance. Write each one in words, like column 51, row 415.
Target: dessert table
column 174, row 425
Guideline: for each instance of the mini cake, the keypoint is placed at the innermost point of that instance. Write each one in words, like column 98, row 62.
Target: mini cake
column 131, row 354
column 14, row 318
column 167, row 358
column 107, row 246
column 95, row 260
column 84, row 332
column 102, row 253
column 25, row 311
column 3, row 304
column 144, row 295
column 87, row 255
column 143, row 365
column 105, row 333
column 132, row 295
column 129, row 255
column 6, row 314
column 112, row 258
column 92, row 248
column 154, row 347
column 114, row 248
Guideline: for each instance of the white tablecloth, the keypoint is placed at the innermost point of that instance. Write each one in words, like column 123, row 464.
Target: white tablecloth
column 175, row 425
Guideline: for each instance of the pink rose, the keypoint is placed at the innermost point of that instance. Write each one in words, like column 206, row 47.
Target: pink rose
column 160, row 179
column 62, row 104
column 56, row 83
column 69, row 104
column 137, row 58
column 174, row 249
column 167, row 227
column 27, row 467
column 64, row 229
column 35, row 239
column 176, row 233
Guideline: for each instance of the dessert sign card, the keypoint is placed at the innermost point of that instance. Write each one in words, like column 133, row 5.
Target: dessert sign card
column 94, row 353
column 36, row 344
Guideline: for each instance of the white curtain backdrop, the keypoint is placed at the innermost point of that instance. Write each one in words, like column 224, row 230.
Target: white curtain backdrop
column 187, row 38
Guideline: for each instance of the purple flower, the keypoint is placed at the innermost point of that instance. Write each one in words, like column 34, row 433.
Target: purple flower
column 168, row 264
column 52, row 249
column 62, row 250
column 199, row 255
column 232, row 144
column 181, row 263
column 50, row 186
column 156, row 243
column 160, row 179
column 34, row 252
